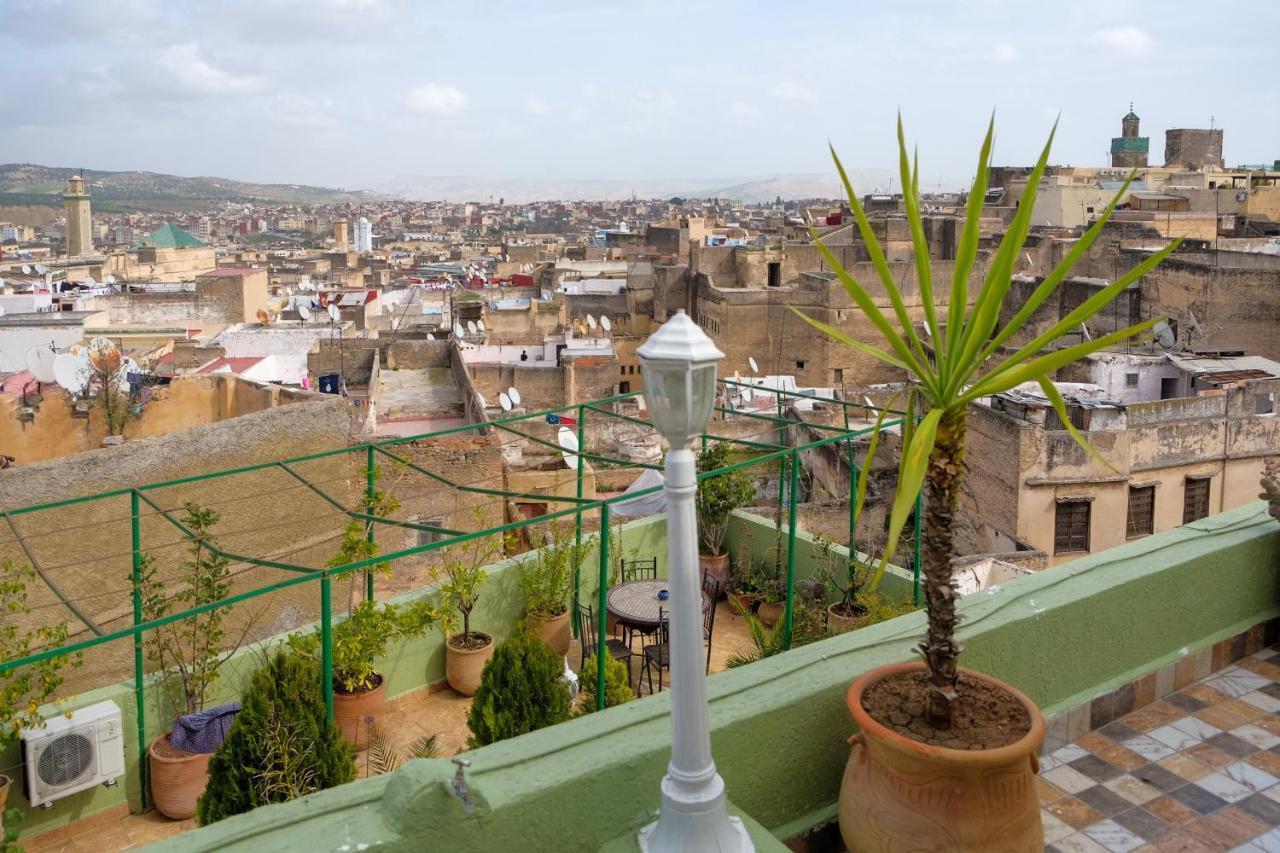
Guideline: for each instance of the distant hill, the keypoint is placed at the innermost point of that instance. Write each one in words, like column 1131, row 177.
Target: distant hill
column 520, row 190
column 26, row 183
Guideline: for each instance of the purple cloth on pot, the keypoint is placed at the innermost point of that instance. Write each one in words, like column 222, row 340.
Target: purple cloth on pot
column 204, row 731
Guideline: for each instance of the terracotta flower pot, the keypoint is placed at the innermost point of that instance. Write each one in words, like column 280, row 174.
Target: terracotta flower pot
column 901, row 795
column 355, row 713
column 717, row 568
column 462, row 667
column 769, row 613
column 552, row 630
column 838, row 623
column 178, row 778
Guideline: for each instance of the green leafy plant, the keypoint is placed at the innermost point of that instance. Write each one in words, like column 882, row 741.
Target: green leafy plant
column 281, row 745
column 383, row 756
column 24, row 689
column 521, row 690
column 12, row 823
column 617, row 684
column 362, row 638
column 357, row 537
column 464, row 572
column 717, row 497
column 547, row 579
column 190, row 651
column 967, row 362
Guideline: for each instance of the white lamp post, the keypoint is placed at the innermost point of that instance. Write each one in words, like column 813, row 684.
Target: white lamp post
column 678, row 363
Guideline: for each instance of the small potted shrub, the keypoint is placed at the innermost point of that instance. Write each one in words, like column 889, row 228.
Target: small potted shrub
column 25, row 689
column 359, row 690
column 281, row 745
column 718, row 497
column 617, row 684
column 903, row 789
column 188, row 655
column 547, row 580
column 522, row 690
column 467, row 651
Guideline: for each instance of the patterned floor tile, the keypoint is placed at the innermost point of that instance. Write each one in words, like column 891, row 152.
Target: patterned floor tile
column 1132, row 789
column 1143, row 824
column 1077, row 843
column 1196, row 728
column 1224, row 787
column 1228, row 827
column 1205, row 693
column 1232, row 745
column 1204, row 802
column 1263, row 808
column 1148, row 747
column 1104, row 801
column 1186, row 766
column 1210, row 756
column 1267, row 761
column 1241, row 708
column 1235, row 682
column 1268, row 842
column 1069, row 779
column 1171, row 811
column 1047, row 791
column 1073, row 813
column 1249, row 776
column 1153, row 716
column 1262, row 701
column 1160, row 778
column 1221, row 717
column 1054, row 829
column 1256, row 735
column 1177, row 739
column 1186, row 702
column 1114, row 837
column 1095, row 768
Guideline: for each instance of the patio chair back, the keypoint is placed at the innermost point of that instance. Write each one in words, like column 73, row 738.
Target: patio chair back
column 640, row 570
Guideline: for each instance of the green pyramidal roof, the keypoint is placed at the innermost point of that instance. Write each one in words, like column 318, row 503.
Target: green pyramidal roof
column 170, row 236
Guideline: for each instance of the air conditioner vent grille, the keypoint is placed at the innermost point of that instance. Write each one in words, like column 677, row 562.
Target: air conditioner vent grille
column 65, row 759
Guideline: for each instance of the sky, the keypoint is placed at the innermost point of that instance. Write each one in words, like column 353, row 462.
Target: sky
column 356, row 93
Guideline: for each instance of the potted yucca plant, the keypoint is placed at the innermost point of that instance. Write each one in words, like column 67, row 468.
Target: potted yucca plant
column 935, row 728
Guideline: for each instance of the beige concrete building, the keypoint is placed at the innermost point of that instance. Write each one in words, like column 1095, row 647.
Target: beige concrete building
column 75, row 204
column 1191, row 443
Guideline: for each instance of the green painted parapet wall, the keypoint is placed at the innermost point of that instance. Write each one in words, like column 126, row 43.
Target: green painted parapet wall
column 409, row 665
column 780, row 725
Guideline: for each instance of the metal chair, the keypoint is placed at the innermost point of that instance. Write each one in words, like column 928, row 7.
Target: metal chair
column 711, row 592
column 657, row 655
column 640, row 570
column 590, row 638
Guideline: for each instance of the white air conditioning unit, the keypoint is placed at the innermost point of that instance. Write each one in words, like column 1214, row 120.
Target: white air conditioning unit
column 73, row 753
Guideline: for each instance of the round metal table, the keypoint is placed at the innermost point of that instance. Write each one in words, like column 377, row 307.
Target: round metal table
column 636, row 604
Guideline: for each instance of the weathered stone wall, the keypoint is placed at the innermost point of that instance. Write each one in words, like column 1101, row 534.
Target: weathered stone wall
column 416, row 355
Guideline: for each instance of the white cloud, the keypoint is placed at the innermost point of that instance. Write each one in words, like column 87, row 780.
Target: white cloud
column 535, row 106
column 1129, row 40
column 651, row 101
column 437, row 99
column 1005, row 53
column 743, row 111
column 789, row 90
column 194, row 75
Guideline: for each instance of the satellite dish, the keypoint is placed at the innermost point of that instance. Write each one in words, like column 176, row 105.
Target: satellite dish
column 504, row 401
column 755, row 368
column 122, row 378
column 471, row 327
column 484, row 404
column 480, row 325
column 514, row 395
column 110, row 279
column 90, row 282
column 334, row 314
column 430, row 336
column 1164, row 335
column 26, row 269
column 569, row 442
column 867, row 400
column 304, row 312
column 591, row 321
column 458, row 331
column 40, row 363
column 1, row 310
column 39, row 269
column 606, row 324
column 100, row 343
column 71, row 373
column 263, row 317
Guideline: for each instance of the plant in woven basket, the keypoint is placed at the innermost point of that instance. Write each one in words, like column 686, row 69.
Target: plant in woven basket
column 281, row 745
column 966, row 360
column 521, row 690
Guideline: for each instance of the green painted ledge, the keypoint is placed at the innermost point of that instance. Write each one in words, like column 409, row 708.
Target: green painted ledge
column 780, row 725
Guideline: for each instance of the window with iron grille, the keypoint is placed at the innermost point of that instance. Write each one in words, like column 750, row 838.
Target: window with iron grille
column 1142, row 511
column 1195, row 499
column 1071, row 527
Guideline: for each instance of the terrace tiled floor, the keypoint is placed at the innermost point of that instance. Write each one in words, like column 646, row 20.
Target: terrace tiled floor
column 423, row 712
column 1198, row 770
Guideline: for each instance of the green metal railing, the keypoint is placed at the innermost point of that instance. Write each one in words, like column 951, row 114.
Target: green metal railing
column 787, row 458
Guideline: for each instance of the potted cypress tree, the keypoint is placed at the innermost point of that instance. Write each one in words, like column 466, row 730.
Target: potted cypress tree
column 962, row 727
column 522, row 690
column 25, row 689
column 717, row 497
column 467, row 651
column 188, row 654
column 547, row 580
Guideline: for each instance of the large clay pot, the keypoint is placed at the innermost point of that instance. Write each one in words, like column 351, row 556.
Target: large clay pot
column 769, row 613
column 838, row 623
column 355, row 713
column 717, row 568
column 178, row 778
column 552, row 630
column 462, row 667
column 900, row 795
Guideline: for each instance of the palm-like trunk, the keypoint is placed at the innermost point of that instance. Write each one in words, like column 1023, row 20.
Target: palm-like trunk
column 942, row 495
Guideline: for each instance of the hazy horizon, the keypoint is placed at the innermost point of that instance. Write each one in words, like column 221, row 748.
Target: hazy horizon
column 360, row 94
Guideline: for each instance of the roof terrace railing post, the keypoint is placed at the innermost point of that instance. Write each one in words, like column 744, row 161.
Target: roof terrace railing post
column 370, row 481
column 326, row 643
column 792, row 509
column 139, row 673
column 577, row 524
column 602, row 596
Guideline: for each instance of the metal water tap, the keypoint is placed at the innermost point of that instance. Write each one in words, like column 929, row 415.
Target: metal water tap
column 458, row 787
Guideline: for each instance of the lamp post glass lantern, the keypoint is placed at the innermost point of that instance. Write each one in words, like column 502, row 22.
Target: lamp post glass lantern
column 678, row 363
